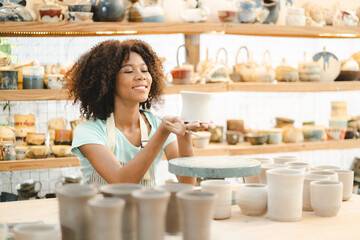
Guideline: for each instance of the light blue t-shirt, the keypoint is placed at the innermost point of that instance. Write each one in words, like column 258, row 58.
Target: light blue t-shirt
column 94, row 131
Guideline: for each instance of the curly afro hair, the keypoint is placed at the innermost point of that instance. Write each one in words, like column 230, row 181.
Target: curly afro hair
column 91, row 80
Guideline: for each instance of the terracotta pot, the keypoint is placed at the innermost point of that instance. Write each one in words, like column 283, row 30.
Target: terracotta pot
column 106, row 220
column 152, row 206
column 252, row 199
column 223, row 191
column 129, row 219
column 172, row 214
column 329, row 190
column 197, row 211
column 74, row 210
column 285, row 187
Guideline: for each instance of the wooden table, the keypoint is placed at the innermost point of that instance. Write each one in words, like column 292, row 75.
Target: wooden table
column 346, row 225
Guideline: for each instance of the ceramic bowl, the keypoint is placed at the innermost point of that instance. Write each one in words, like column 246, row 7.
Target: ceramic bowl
column 79, row 16
column 256, row 138
column 313, row 133
column 274, row 135
column 292, row 135
column 181, row 76
column 348, row 76
column 35, row 138
column 336, row 133
column 38, row 151
column 226, row 16
column 79, row 7
column 202, row 141
column 61, row 150
column 233, row 137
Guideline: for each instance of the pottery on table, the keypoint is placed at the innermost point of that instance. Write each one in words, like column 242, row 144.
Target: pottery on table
column 306, row 190
column 292, row 135
column 325, row 167
column 195, row 106
column 21, row 152
column 326, row 197
column 7, row 151
column 106, row 217
column 36, row 231
column 275, row 135
column 216, row 134
column 235, row 125
column 285, row 158
column 285, row 187
column 40, row 151
column 50, row 13
column 173, row 225
column 252, row 199
column 286, row 73
column 335, row 133
column 197, row 211
column 309, row 71
column 33, row 138
column 313, row 133
column 333, row 175
column 61, row 150
column 246, row 11
column 233, row 137
column 72, row 17
column 299, row 164
column 74, row 211
column 226, row 15
column 129, row 218
column 256, row 178
column 181, row 76
column 151, row 213
column 79, row 7
column 330, row 65
column 267, row 166
column 347, row 178
column 28, row 189
column 223, row 190
column 256, row 138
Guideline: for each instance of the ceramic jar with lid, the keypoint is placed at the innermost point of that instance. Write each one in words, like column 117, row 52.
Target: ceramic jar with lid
column 33, row 78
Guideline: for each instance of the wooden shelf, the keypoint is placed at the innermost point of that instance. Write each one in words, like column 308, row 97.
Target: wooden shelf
column 30, row 164
column 214, row 149
column 51, row 94
column 42, row 29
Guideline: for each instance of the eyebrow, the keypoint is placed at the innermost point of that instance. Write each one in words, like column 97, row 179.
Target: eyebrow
column 130, row 65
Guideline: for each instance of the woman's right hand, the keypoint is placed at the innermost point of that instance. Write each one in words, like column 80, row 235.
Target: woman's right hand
column 174, row 124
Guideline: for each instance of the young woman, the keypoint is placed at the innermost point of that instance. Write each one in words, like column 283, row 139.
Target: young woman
column 115, row 83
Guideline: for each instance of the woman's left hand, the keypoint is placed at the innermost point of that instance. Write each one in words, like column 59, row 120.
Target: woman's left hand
column 199, row 126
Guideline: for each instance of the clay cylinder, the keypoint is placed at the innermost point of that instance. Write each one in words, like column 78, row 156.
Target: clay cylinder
column 347, row 178
column 152, row 206
column 74, row 211
column 256, row 178
column 285, row 187
column 196, row 211
column 129, row 217
column 306, row 190
column 172, row 214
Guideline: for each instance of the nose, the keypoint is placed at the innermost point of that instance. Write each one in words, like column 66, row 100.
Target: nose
column 140, row 75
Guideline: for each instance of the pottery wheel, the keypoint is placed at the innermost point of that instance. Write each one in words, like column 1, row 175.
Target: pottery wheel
column 214, row 166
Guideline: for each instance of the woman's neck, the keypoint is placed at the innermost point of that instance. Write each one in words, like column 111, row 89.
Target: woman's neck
column 126, row 117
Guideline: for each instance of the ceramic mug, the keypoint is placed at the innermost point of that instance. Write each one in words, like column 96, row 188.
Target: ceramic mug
column 50, row 14
column 7, row 151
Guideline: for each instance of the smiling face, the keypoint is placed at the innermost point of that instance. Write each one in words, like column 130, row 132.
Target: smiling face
column 133, row 81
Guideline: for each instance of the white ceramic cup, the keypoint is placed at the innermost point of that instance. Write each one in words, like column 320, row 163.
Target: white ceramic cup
column 299, row 164
column 306, row 190
column 285, row 158
column 267, row 166
column 223, row 190
column 326, row 197
column 347, row 178
column 256, row 178
column 333, row 175
column 195, row 106
column 36, row 231
column 252, row 199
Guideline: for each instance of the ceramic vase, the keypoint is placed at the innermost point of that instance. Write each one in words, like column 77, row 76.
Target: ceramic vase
column 196, row 211
column 256, row 178
column 268, row 166
column 172, row 214
column 223, row 190
column 333, row 175
column 252, row 199
column 347, row 178
column 36, row 231
column 306, row 190
column 195, row 106
column 285, row 159
column 326, row 197
column 285, row 187
column 152, row 206
column 74, row 210
column 106, row 218
column 129, row 217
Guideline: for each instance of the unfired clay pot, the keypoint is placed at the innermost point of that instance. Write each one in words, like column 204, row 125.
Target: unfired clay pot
column 325, row 167
column 326, row 197
column 300, row 164
column 252, row 199
column 196, row 211
column 172, row 215
column 285, row 187
column 268, row 166
column 195, row 106
column 306, row 190
column 333, row 175
column 35, row 231
column 152, row 206
column 256, row 178
column 223, row 190
column 106, row 218
column 129, row 217
column 285, row 159
column 347, row 178
column 74, row 210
